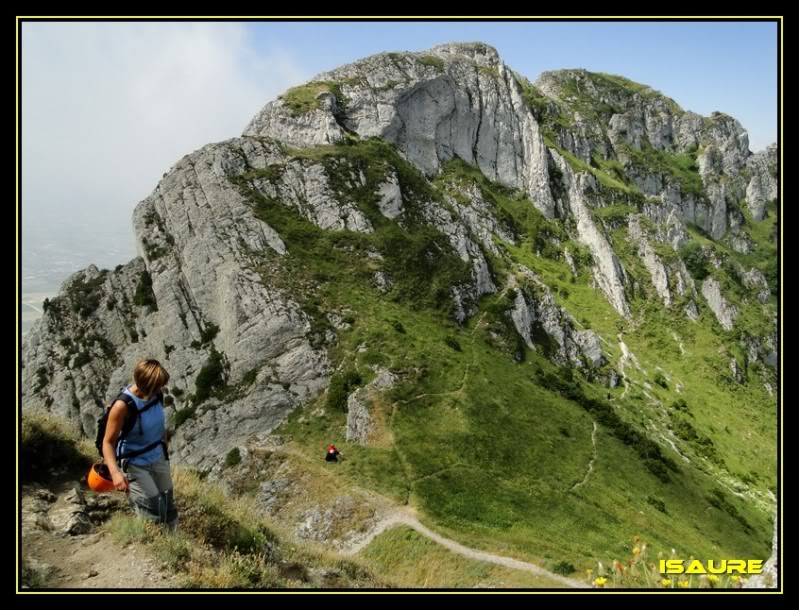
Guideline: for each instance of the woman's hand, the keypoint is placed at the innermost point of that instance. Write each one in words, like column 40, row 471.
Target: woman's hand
column 120, row 481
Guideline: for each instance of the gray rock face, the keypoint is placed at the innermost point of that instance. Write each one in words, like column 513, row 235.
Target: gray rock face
column 724, row 312
column 306, row 186
column 317, row 525
column 320, row 525
column 762, row 187
column 590, row 346
column 35, row 505
column 756, row 281
column 315, row 128
column 741, row 243
column 68, row 515
column 730, row 139
column 74, row 349
column 198, row 239
column 761, row 349
column 359, row 419
column 643, row 120
column 479, row 218
column 670, row 227
column 456, row 100
column 461, row 241
column 657, row 270
column 608, row 271
column 390, row 202
column 536, row 314
column 669, row 280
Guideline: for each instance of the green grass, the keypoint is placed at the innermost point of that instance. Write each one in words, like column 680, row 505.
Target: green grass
column 605, row 171
column 615, row 214
column 493, row 469
column 614, row 82
column 681, row 167
column 432, row 61
column 126, row 528
column 620, row 89
column 144, row 295
column 224, row 543
column 303, row 99
column 414, row 561
column 471, row 438
column 50, row 449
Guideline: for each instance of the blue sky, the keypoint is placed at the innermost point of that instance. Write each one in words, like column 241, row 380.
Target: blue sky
column 729, row 67
column 107, row 108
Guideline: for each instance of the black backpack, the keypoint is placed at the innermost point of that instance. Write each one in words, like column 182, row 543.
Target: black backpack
column 130, row 421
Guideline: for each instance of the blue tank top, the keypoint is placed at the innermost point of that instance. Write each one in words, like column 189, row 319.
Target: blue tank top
column 148, row 429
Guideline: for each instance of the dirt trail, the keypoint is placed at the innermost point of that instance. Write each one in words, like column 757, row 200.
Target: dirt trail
column 406, row 518
column 63, row 543
column 93, row 562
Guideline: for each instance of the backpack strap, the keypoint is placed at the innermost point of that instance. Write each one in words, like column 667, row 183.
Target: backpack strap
column 130, row 418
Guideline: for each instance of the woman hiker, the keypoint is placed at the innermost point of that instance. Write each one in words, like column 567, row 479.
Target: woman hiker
column 138, row 462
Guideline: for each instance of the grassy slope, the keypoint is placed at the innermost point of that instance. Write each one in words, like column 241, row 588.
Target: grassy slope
column 414, row 561
column 490, row 462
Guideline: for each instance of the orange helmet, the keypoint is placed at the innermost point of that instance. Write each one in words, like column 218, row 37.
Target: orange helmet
column 99, row 479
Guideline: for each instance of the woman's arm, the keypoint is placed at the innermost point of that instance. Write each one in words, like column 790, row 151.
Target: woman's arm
column 116, row 419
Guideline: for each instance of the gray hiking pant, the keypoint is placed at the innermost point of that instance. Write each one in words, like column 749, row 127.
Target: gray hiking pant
column 150, row 492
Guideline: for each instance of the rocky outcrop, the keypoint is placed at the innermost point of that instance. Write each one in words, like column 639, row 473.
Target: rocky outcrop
column 755, row 281
column 724, row 312
column 390, row 201
column 194, row 292
column 762, row 186
column 306, row 186
column 641, row 125
column 359, row 404
column 460, row 239
column 608, row 271
column 657, row 270
column 669, row 279
column 479, row 217
column 545, row 326
column 67, row 513
column 457, row 100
